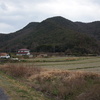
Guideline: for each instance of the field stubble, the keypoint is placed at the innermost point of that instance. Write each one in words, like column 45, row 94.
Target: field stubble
column 69, row 63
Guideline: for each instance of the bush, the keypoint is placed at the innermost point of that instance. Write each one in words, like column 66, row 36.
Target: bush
column 20, row 70
column 65, row 85
column 60, row 85
column 92, row 94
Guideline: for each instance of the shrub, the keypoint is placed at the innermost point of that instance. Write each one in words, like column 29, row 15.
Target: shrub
column 91, row 94
column 65, row 85
column 60, row 85
column 20, row 70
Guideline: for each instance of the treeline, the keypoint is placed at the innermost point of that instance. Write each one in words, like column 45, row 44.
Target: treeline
column 69, row 50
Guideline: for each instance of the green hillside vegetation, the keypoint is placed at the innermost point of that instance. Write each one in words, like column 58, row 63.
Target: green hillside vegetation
column 55, row 34
column 90, row 28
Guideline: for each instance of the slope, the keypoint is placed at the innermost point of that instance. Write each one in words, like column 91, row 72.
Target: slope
column 19, row 91
column 55, row 34
column 12, row 41
column 90, row 28
column 58, row 34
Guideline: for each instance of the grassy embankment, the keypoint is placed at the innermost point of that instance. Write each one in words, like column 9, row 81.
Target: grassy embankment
column 57, row 84
column 15, row 89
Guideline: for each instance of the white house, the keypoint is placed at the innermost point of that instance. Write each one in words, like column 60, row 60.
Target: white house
column 23, row 52
column 4, row 55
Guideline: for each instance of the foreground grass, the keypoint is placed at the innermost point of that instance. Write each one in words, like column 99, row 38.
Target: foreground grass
column 57, row 84
column 17, row 90
column 66, row 85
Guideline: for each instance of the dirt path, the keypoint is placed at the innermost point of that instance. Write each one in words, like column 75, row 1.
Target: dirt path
column 3, row 96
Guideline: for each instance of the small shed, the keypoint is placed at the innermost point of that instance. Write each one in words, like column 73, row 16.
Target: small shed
column 4, row 55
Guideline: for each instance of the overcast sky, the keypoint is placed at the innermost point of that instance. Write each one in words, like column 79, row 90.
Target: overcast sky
column 15, row 14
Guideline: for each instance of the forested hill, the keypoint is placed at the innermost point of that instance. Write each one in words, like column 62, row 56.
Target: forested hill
column 55, row 34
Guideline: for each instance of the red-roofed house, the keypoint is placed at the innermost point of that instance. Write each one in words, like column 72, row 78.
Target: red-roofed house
column 23, row 52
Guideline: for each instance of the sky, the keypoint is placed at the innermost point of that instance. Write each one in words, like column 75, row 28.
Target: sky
column 16, row 14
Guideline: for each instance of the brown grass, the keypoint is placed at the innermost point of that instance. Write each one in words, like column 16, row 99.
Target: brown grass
column 64, row 85
column 20, row 70
column 60, row 85
column 92, row 94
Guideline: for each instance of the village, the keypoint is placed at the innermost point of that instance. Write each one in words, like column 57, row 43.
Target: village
column 26, row 53
column 20, row 52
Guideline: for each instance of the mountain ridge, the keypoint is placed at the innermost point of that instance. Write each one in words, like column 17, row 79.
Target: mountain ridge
column 55, row 34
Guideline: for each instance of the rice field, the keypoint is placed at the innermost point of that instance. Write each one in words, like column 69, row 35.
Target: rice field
column 91, row 64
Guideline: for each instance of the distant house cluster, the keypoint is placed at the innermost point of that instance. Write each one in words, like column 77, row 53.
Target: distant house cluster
column 22, row 52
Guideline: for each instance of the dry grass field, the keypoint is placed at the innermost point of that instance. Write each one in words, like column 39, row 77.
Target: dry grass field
column 91, row 64
column 56, row 78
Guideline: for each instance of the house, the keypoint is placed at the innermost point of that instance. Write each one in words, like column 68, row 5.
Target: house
column 4, row 55
column 22, row 52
